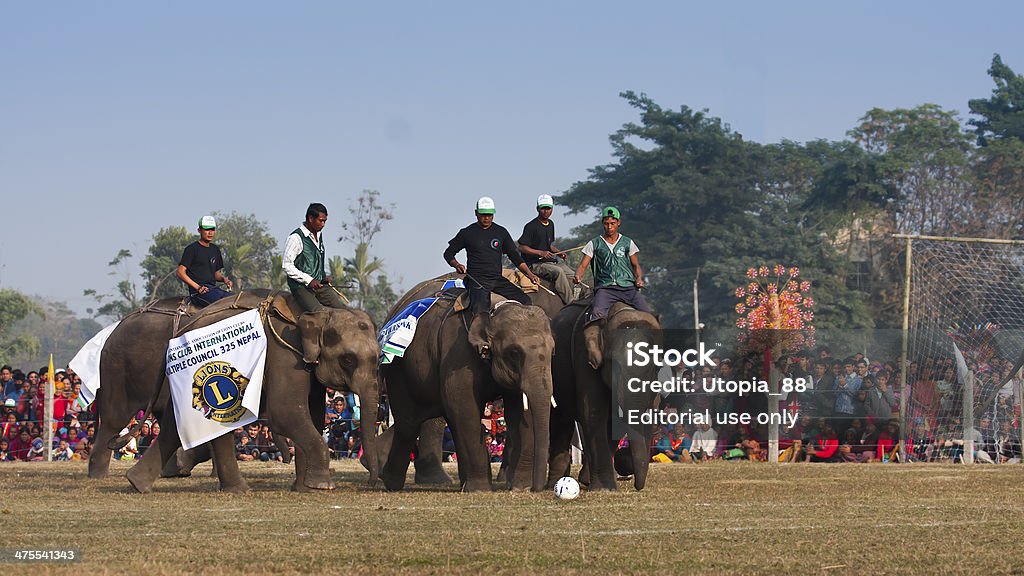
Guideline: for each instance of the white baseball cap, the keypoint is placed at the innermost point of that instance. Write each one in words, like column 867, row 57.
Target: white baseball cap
column 485, row 205
column 545, row 201
column 207, row 223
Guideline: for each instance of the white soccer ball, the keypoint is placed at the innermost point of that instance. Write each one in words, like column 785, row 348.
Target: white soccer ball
column 567, row 488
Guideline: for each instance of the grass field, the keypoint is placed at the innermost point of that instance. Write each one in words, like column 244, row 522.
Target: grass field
column 716, row 518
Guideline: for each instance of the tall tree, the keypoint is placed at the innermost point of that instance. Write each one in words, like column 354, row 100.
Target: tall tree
column 924, row 155
column 161, row 262
column 125, row 299
column 248, row 249
column 696, row 196
column 373, row 291
column 1001, row 115
column 15, row 306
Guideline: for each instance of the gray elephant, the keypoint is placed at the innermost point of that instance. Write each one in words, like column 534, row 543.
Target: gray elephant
column 518, row 440
column 589, row 385
column 339, row 344
column 124, row 394
column 443, row 375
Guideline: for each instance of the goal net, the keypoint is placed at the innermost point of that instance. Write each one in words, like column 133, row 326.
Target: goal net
column 965, row 350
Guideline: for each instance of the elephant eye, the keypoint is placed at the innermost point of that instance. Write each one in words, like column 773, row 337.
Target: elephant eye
column 348, row 360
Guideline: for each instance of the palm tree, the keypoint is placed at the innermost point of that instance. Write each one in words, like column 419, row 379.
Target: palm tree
column 361, row 268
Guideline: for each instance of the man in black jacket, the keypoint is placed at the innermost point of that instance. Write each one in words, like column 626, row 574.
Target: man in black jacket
column 485, row 242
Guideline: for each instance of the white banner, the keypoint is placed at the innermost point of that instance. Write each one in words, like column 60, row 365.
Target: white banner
column 216, row 377
column 87, row 365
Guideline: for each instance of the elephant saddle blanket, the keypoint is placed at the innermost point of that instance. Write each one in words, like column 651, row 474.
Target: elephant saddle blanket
column 397, row 333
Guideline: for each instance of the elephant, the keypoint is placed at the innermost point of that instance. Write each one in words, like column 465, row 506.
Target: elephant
column 333, row 347
column 588, row 382
column 443, row 374
column 428, row 469
column 124, row 394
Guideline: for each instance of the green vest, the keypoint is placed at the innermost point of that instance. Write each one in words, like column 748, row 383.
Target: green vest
column 611, row 267
column 311, row 260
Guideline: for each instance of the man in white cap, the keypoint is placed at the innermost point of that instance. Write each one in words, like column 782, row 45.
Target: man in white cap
column 539, row 252
column 485, row 242
column 201, row 264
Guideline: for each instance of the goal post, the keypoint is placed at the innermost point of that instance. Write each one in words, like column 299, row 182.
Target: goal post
column 963, row 346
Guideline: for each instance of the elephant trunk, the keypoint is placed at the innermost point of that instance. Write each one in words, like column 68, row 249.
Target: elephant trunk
column 539, row 422
column 369, row 399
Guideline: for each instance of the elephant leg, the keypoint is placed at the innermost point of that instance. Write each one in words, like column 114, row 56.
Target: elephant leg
column 461, row 404
column 312, row 460
column 403, row 439
column 184, row 461
column 160, row 453
column 563, row 428
column 428, row 454
column 517, row 458
column 226, row 464
column 594, row 409
column 99, row 459
column 641, row 454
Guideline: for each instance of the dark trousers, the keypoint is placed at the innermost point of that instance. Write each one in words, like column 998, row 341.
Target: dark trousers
column 315, row 300
column 211, row 296
column 480, row 293
column 605, row 296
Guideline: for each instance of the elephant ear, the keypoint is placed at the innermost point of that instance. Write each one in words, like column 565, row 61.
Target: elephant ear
column 311, row 328
column 593, row 338
column 478, row 337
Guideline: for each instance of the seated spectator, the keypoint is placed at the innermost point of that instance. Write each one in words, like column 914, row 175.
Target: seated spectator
column 265, row 444
column 10, row 428
column 81, row 450
column 63, row 452
column 494, row 450
column 1008, row 442
column 20, row 446
column 888, row 441
column 244, row 451
column 679, row 442
column 5, row 450
column 704, row 443
column 824, row 447
column 37, row 451
column 660, row 449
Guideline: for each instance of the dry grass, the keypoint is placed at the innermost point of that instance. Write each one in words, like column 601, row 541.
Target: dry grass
column 718, row 518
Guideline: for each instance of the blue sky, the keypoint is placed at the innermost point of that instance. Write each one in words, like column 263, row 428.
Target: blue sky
column 120, row 118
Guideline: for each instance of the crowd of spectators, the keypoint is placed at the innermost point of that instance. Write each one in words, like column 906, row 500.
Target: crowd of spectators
column 850, row 412
column 23, row 398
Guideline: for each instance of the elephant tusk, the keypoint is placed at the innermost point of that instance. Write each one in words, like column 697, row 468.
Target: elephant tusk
column 553, row 403
column 526, row 403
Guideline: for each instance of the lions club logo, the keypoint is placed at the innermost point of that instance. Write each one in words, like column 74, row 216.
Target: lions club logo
column 217, row 389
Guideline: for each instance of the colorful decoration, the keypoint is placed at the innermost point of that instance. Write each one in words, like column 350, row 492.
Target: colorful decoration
column 775, row 308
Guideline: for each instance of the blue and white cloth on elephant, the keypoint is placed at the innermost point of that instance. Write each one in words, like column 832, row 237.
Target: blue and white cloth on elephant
column 398, row 332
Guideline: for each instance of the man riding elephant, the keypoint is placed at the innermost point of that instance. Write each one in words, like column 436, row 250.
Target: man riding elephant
column 485, row 242
column 304, row 262
column 337, row 347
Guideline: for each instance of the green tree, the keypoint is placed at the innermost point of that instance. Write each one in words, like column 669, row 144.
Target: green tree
column 124, row 300
column 161, row 262
column 14, row 306
column 363, row 271
column 696, row 196
column 925, row 156
column 56, row 329
column 248, row 249
column 1001, row 115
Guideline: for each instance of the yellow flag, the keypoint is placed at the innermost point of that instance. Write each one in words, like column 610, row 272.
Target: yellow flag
column 53, row 381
